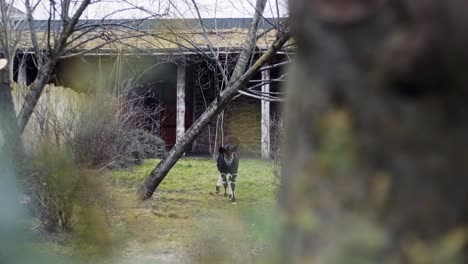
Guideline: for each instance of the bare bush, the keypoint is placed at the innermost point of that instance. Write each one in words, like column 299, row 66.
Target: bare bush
column 111, row 133
column 54, row 183
column 101, row 131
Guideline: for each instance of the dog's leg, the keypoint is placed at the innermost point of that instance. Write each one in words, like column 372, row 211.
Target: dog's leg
column 225, row 184
column 218, row 184
column 233, row 187
column 230, row 189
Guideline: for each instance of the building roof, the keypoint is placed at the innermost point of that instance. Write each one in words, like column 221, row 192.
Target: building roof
column 15, row 13
column 159, row 36
column 162, row 24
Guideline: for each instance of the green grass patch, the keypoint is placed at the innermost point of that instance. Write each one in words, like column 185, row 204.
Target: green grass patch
column 186, row 221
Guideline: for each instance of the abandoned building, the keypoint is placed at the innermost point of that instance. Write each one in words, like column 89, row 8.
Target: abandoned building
column 180, row 81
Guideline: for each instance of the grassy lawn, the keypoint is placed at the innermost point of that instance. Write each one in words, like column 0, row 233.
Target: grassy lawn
column 185, row 221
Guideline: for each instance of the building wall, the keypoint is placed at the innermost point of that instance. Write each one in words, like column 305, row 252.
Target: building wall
column 243, row 121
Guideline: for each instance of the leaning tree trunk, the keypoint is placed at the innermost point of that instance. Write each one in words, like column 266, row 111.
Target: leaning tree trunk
column 376, row 148
column 157, row 175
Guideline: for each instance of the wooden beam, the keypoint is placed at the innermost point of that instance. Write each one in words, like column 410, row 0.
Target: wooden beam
column 180, row 123
column 22, row 73
column 265, row 148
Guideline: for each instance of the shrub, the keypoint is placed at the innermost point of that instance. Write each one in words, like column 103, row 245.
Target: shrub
column 153, row 146
column 104, row 131
column 54, row 184
column 106, row 139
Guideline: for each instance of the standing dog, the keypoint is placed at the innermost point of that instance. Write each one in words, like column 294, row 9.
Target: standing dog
column 227, row 163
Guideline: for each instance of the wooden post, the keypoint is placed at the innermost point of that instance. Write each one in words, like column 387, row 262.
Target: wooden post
column 265, row 117
column 22, row 73
column 180, row 123
column 194, row 115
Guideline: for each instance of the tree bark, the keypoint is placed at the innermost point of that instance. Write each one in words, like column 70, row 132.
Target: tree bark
column 159, row 173
column 249, row 43
column 32, row 97
column 12, row 143
column 376, row 128
column 9, row 48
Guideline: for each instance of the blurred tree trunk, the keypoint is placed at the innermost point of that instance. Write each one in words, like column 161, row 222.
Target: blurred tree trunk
column 376, row 148
column 8, row 126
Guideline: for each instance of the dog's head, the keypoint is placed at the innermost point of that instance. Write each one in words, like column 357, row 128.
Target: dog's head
column 228, row 150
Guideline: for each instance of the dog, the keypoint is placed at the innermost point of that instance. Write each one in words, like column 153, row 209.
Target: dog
column 227, row 163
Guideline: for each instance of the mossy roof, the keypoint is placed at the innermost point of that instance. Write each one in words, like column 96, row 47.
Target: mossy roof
column 174, row 35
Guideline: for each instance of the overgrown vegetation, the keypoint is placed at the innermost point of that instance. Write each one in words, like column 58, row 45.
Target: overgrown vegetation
column 71, row 133
column 105, row 130
column 185, row 222
column 109, row 137
column 54, row 183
